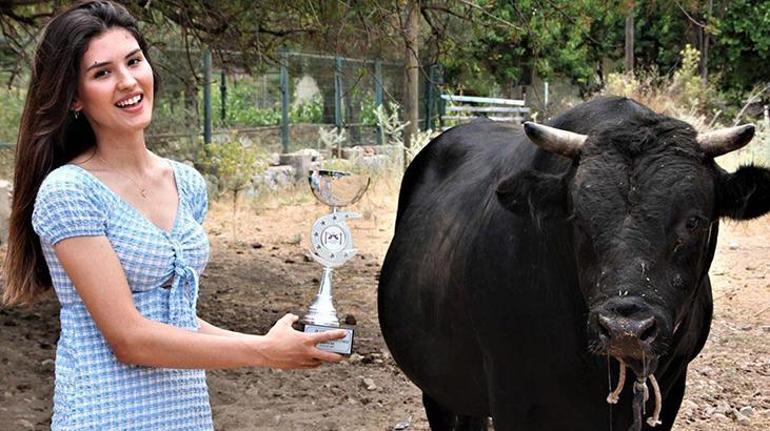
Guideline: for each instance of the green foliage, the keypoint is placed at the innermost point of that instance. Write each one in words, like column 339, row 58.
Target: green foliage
column 249, row 104
column 687, row 81
column 367, row 111
column 10, row 114
column 331, row 138
column 391, row 125
column 509, row 41
column 310, row 111
column 170, row 115
column 741, row 31
column 683, row 94
column 233, row 163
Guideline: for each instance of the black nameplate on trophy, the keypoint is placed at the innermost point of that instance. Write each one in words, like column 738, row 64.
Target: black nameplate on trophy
column 343, row 346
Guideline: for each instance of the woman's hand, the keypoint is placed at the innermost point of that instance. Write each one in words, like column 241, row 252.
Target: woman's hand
column 286, row 347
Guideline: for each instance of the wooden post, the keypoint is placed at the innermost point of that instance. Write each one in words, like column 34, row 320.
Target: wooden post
column 378, row 94
column 284, row 101
column 207, row 96
column 223, row 95
column 629, row 61
column 411, row 69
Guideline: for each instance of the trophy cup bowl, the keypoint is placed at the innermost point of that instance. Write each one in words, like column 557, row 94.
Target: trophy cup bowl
column 332, row 246
column 337, row 188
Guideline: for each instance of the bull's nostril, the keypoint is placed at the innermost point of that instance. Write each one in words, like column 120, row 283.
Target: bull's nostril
column 649, row 330
column 605, row 327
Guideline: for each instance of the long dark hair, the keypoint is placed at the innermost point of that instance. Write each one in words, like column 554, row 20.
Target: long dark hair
column 50, row 135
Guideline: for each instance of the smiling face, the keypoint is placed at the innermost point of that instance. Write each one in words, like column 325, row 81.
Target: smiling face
column 115, row 90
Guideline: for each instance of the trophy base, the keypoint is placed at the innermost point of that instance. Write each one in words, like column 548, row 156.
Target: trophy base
column 343, row 346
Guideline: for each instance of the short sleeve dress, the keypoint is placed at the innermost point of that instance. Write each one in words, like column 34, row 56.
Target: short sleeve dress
column 93, row 390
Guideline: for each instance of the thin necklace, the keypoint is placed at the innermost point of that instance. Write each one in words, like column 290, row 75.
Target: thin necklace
column 142, row 189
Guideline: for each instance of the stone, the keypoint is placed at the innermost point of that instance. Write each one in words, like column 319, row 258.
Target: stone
column 352, row 153
column 355, row 358
column 300, row 162
column 747, row 411
column 315, row 155
column 368, row 383
column 402, row 425
column 275, row 178
column 742, row 419
column 719, row 417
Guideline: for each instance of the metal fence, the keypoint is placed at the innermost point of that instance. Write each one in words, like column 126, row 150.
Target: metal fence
column 282, row 106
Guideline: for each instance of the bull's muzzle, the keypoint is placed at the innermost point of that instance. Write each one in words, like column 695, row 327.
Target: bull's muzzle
column 627, row 328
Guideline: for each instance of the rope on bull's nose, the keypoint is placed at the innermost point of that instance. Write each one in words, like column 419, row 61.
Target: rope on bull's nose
column 640, row 397
column 614, row 396
column 655, row 419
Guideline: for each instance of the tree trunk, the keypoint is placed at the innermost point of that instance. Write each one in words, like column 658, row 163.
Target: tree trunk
column 704, row 49
column 629, row 62
column 411, row 66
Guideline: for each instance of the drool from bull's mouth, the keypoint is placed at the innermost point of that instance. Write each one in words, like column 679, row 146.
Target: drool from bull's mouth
column 641, row 394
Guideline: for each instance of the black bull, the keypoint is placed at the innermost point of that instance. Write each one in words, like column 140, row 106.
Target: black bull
column 518, row 278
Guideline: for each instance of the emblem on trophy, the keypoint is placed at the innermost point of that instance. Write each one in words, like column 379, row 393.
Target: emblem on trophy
column 332, row 246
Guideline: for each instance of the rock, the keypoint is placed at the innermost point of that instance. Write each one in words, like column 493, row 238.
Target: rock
column 300, row 163
column 256, row 245
column 274, row 178
column 355, row 358
column 747, row 411
column 352, row 153
column 402, row 425
column 312, row 153
column 719, row 417
column 742, row 419
column 689, row 406
column 368, row 383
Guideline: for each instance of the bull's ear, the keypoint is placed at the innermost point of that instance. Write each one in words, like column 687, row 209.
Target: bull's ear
column 744, row 194
column 533, row 193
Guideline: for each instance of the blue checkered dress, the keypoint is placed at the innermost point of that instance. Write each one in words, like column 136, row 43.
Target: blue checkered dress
column 94, row 391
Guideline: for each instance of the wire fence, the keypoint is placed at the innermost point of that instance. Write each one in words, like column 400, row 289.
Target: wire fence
column 280, row 106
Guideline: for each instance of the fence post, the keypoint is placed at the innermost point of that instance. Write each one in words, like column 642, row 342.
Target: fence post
column 441, row 101
column 207, row 96
column 378, row 94
column 430, row 102
column 223, row 95
column 284, row 101
column 338, row 93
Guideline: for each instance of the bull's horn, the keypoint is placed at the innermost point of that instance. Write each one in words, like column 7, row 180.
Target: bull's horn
column 555, row 140
column 723, row 141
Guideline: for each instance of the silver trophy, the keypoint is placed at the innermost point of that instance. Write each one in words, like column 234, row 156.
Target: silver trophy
column 332, row 246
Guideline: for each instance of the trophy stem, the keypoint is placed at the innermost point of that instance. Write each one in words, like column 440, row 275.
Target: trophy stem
column 322, row 310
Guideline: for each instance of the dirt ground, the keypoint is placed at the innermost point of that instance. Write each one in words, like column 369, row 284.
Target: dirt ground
column 253, row 280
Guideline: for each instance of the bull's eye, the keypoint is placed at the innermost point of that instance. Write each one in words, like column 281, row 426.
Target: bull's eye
column 693, row 223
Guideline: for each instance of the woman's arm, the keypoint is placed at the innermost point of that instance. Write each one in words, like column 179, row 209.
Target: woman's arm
column 205, row 327
column 101, row 283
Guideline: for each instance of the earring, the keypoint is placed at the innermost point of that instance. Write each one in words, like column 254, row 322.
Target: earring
column 75, row 114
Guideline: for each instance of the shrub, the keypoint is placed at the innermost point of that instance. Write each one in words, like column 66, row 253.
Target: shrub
column 234, row 165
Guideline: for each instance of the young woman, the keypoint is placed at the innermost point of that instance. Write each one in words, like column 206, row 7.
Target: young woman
column 116, row 231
